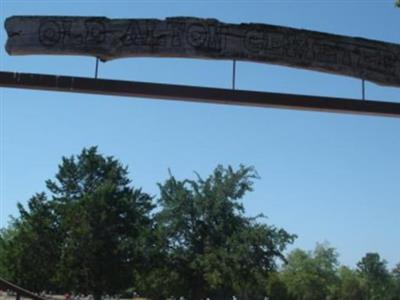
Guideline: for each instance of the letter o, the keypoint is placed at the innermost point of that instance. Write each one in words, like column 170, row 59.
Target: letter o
column 197, row 35
column 49, row 33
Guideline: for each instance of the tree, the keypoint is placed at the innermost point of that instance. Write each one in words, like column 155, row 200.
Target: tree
column 89, row 236
column 398, row 3
column 103, row 221
column 311, row 275
column 396, row 282
column 30, row 246
column 349, row 287
column 215, row 250
column 375, row 276
column 396, row 272
column 6, row 236
column 276, row 287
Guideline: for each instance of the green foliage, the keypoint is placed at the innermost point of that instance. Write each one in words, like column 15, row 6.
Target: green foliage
column 375, row 276
column 95, row 233
column 89, row 238
column 276, row 287
column 215, row 249
column 396, row 272
column 372, row 268
column 396, row 282
column 315, row 275
column 350, row 287
column 6, row 251
column 31, row 246
column 398, row 3
column 311, row 275
column 103, row 219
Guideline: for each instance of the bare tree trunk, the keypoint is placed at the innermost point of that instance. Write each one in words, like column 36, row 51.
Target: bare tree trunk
column 198, row 289
column 97, row 296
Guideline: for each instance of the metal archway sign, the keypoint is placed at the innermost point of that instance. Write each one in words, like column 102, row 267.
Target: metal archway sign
column 108, row 39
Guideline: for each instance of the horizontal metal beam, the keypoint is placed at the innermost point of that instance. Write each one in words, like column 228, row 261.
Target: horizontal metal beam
column 197, row 94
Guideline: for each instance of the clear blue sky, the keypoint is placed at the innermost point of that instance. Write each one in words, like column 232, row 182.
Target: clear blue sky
column 325, row 177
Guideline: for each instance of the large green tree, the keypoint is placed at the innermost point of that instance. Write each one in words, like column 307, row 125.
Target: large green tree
column 103, row 223
column 213, row 249
column 30, row 246
column 375, row 276
column 87, row 236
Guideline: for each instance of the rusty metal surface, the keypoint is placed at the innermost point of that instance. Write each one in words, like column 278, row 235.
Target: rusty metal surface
column 197, row 94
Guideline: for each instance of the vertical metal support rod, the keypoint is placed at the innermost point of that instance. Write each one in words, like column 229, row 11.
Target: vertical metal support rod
column 234, row 74
column 363, row 88
column 96, row 72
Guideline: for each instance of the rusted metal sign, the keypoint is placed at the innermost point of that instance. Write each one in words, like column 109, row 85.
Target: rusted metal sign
column 108, row 39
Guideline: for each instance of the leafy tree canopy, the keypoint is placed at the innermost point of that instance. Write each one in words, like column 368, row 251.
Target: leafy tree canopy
column 310, row 275
column 374, row 275
column 31, row 246
column 88, row 238
column 217, row 250
column 103, row 223
column 93, row 232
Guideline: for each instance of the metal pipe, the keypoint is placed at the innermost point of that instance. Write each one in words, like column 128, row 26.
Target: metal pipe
column 197, row 94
